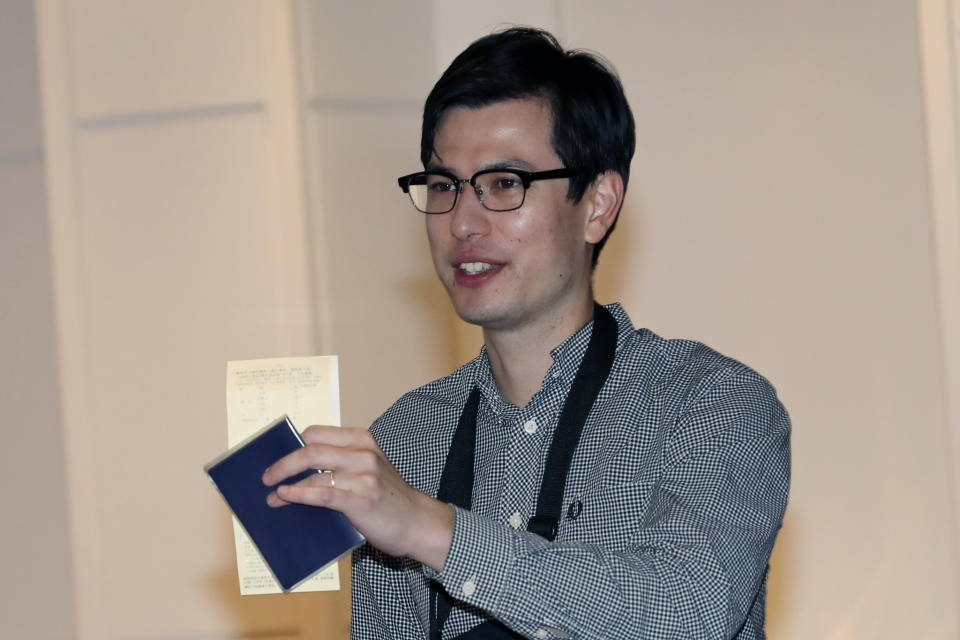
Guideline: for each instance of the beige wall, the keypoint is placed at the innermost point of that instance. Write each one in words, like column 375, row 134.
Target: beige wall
column 220, row 184
column 781, row 213
column 178, row 240
column 37, row 602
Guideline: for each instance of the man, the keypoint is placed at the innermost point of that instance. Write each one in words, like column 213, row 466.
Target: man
column 579, row 478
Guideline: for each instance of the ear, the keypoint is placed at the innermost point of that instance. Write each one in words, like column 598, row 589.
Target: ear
column 604, row 198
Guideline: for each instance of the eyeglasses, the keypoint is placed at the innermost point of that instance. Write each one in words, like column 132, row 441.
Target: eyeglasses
column 497, row 189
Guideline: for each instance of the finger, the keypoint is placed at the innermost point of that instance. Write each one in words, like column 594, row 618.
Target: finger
column 317, row 495
column 338, row 436
column 312, row 456
column 327, row 448
column 274, row 498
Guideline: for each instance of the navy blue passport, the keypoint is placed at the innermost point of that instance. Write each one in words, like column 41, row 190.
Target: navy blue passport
column 296, row 540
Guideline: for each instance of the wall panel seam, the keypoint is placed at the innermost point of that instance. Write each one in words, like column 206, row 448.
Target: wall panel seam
column 159, row 116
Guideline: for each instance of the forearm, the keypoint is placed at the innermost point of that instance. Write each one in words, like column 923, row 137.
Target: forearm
column 431, row 532
column 585, row 591
column 692, row 567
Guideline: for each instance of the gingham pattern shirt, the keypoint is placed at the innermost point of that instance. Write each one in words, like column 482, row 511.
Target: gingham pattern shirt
column 672, row 503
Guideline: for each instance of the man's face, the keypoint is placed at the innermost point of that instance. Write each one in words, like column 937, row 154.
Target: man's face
column 534, row 262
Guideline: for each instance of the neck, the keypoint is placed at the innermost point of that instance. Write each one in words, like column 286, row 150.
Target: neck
column 520, row 357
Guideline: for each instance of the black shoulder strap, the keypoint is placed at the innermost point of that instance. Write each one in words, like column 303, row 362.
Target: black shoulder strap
column 456, row 480
column 456, row 486
column 590, row 378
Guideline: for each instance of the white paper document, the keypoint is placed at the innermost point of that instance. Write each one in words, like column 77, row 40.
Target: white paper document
column 258, row 392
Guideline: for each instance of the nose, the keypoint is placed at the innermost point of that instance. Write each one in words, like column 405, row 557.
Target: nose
column 469, row 217
column 462, row 185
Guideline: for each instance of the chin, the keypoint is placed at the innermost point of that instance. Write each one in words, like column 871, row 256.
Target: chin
column 479, row 315
column 494, row 319
column 471, row 316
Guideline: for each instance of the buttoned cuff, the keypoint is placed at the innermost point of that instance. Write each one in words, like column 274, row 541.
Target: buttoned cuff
column 480, row 560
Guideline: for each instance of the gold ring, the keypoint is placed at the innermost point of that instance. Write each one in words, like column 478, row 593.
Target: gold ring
column 332, row 482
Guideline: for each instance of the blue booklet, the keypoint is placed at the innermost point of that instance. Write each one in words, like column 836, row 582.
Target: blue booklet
column 296, row 540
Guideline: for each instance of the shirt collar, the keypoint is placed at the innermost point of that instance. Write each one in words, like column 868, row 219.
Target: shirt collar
column 566, row 359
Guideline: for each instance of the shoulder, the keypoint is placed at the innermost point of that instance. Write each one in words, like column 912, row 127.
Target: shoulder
column 431, row 401
column 679, row 368
column 685, row 368
column 703, row 397
column 416, row 431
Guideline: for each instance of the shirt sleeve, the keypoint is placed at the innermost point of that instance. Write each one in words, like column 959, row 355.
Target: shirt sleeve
column 699, row 542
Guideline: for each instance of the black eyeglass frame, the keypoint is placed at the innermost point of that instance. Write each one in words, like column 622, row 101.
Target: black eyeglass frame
column 526, row 177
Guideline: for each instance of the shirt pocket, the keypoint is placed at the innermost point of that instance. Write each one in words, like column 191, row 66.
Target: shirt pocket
column 609, row 516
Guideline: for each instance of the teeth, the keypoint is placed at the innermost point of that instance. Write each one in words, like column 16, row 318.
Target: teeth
column 473, row 268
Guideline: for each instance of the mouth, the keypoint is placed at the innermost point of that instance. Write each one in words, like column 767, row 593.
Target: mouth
column 474, row 268
column 471, row 273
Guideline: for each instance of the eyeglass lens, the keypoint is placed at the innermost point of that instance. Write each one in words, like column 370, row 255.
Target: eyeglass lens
column 437, row 193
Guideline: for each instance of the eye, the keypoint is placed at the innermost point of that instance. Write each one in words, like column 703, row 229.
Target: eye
column 438, row 184
column 504, row 182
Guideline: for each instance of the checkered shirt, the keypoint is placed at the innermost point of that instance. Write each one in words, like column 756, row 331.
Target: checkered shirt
column 674, row 497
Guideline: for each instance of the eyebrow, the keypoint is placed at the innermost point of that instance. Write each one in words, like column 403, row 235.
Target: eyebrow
column 506, row 165
column 510, row 163
column 440, row 168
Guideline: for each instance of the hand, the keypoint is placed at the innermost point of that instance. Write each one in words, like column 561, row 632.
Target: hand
column 391, row 515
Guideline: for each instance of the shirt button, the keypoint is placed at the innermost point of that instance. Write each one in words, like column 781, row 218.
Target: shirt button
column 541, row 633
column 516, row 520
column 530, row 426
column 469, row 588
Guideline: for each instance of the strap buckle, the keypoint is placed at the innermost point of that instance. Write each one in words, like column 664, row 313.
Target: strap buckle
column 543, row 525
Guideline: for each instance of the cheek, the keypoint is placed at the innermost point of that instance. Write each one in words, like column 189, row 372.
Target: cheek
column 548, row 236
column 524, row 228
column 430, row 224
column 435, row 232
column 435, row 239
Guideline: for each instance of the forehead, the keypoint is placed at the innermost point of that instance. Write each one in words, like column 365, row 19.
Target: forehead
column 511, row 130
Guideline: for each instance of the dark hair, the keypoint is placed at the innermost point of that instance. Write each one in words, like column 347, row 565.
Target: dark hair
column 592, row 123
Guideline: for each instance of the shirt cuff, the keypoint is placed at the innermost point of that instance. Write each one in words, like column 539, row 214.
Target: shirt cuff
column 480, row 561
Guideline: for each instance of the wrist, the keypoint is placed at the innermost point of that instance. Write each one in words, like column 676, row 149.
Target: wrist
column 432, row 535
